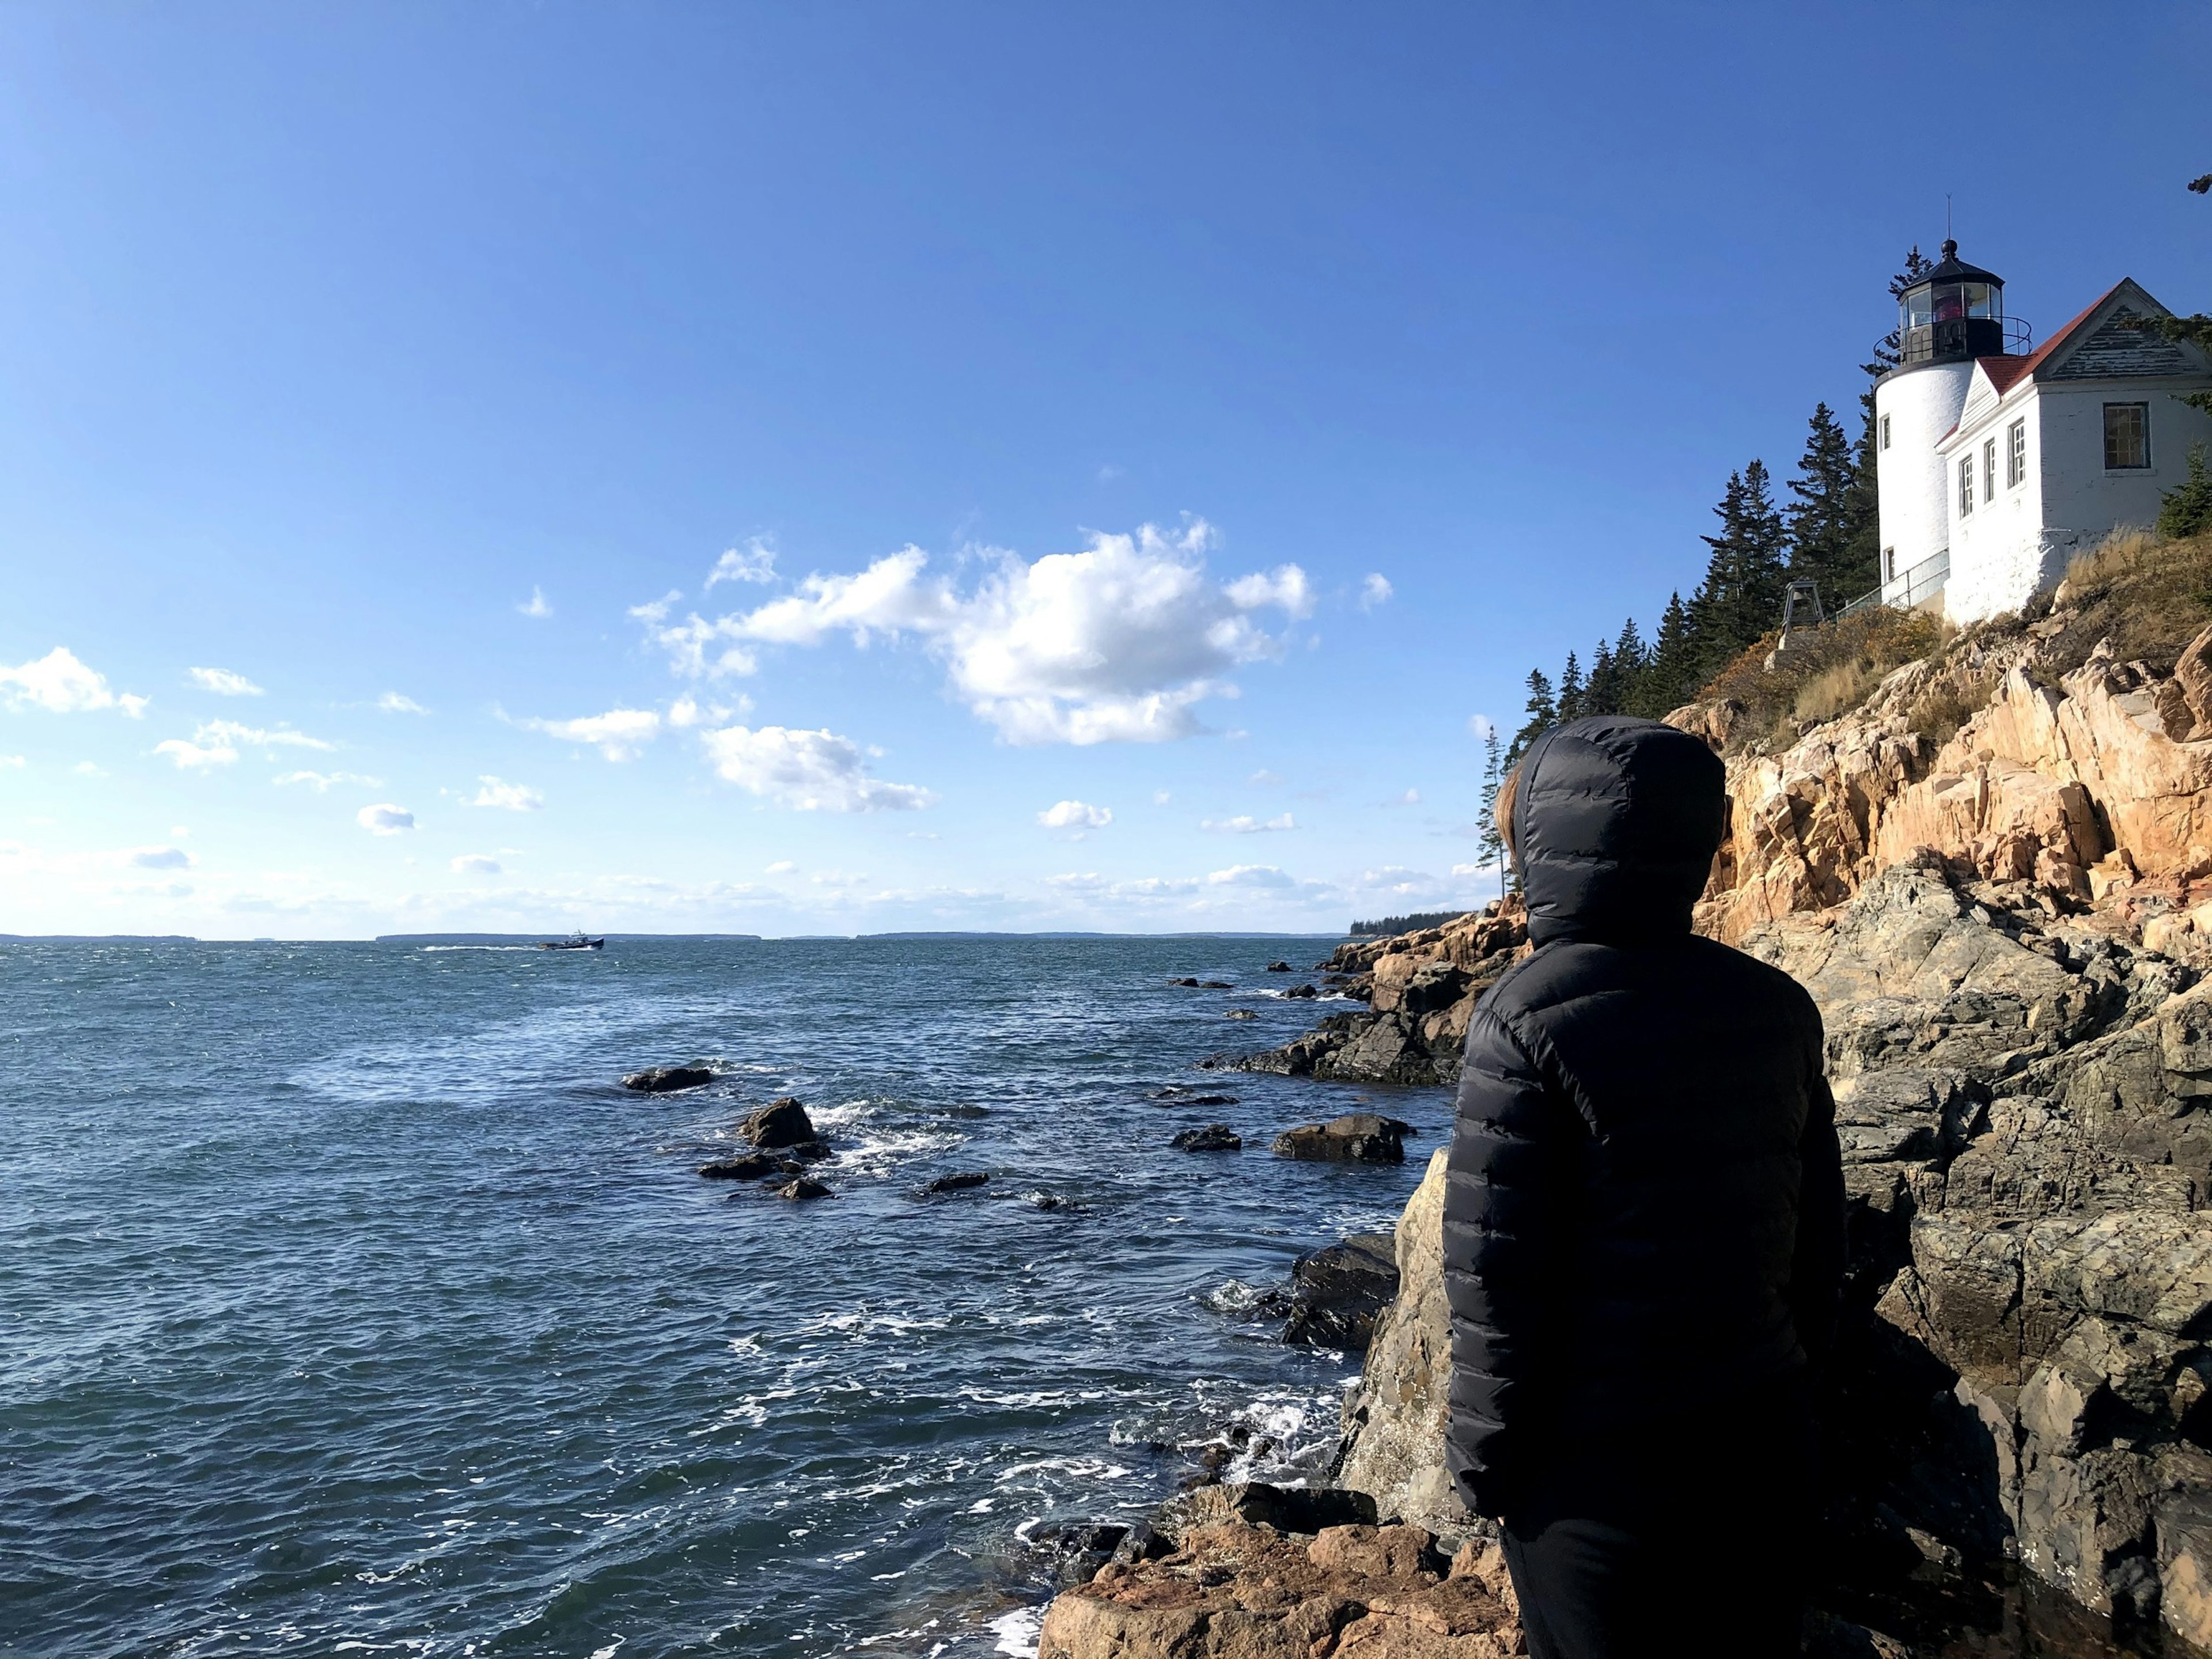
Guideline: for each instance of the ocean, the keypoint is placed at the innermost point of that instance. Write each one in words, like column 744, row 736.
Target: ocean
column 348, row 1306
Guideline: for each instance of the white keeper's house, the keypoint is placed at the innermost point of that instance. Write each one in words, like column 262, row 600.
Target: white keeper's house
column 1995, row 463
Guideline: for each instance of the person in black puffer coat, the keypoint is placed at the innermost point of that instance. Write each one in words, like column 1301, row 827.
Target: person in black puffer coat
column 1644, row 1224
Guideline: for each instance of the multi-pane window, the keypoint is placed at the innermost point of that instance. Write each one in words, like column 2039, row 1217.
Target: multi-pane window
column 1989, row 470
column 1884, row 432
column 1966, row 485
column 2016, row 455
column 2127, row 436
column 1889, row 564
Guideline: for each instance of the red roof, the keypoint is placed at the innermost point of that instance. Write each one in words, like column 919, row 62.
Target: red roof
column 2006, row 373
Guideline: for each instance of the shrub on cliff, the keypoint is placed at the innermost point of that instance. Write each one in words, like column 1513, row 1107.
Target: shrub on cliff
column 2187, row 508
column 1826, row 673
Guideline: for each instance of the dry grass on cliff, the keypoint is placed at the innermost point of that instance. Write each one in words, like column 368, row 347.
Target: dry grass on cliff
column 2148, row 595
column 1829, row 671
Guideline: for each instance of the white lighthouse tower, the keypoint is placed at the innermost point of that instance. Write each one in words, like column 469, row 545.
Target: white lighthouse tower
column 1952, row 316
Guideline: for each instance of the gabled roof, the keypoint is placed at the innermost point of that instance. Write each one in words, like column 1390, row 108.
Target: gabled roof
column 2005, row 373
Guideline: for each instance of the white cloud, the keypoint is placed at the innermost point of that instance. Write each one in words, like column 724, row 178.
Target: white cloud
column 392, row 702
column 1479, row 726
column 1245, row 825
column 1474, row 869
column 216, row 743
column 619, row 734
column 60, row 685
column 474, row 864
column 1265, row 779
column 161, row 858
column 1117, row 643
column 514, row 797
column 1252, row 875
column 807, row 771
column 689, row 642
column 385, row 819
column 688, row 711
column 319, row 782
column 781, row 867
column 535, row 605
column 1161, row 798
column 90, row 770
column 223, row 683
column 1075, row 815
column 1376, row 590
column 755, row 564
column 12, row 760
column 1410, row 798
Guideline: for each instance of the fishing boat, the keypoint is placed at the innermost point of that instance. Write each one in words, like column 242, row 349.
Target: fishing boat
column 576, row 941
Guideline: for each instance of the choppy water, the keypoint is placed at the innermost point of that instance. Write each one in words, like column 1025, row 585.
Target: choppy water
column 347, row 1307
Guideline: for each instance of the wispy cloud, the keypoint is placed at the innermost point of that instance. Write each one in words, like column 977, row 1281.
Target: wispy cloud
column 474, row 864
column 216, row 743
column 161, row 858
column 755, row 562
column 1245, row 825
column 322, row 782
column 536, row 604
column 1374, row 590
column 392, row 702
column 60, row 685
column 513, row 796
column 385, row 819
column 807, row 771
column 222, row 682
column 620, row 735
column 1410, row 798
column 696, row 647
column 1075, row 815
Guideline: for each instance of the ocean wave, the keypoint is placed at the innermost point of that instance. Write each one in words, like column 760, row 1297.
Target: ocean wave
column 1018, row 1631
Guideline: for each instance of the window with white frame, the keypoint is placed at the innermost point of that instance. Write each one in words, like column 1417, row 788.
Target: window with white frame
column 1966, row 485
column 2016, row 455
column 2127, row 437
column 1989, row 470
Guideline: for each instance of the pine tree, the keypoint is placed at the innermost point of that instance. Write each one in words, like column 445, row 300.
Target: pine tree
column 2187, row 508
column 1762, row 573
column 1539, row 716
column 1571, row 690
column 1863, row 503
column 1491, row 844
column 1819, row 519
column 1670, row 677
column 1601, row 690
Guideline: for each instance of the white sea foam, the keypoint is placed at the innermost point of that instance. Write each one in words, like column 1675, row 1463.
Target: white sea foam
column 1018, row 1631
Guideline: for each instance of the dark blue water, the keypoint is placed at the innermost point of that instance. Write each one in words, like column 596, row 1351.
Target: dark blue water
column 347, row 1307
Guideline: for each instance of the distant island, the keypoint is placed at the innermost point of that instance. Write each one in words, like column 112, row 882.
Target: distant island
column 1412, row 924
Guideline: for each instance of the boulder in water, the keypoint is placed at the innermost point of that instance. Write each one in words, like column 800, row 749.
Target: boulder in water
column 1280, row 968
column 1077, row 1549
column 1338, row 1293
column 666, row 1079
column 782, row 1123
column 754, row 1166
column 1213, row 1138
column 1301, row 992
column 1239, row 1013
column 1187, row 984
column 956, row 1182
column 1356, row 1138
column 805, row 1187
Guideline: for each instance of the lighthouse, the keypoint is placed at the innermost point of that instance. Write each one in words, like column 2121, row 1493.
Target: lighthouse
column 1953, row 315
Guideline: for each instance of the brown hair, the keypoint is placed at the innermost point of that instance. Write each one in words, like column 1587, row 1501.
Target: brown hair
column 1502, row 809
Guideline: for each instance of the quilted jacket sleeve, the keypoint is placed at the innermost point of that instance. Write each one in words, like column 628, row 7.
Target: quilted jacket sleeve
column 1501, row 1207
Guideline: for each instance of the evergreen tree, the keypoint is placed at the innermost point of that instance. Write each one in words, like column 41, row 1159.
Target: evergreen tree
column 2187, row 508
column 1539, row 715
column 1601, row 690
column 1571, row 690
column 1819, row 519
column 1862, row 504
column 1491, row 844
column 1670, row 677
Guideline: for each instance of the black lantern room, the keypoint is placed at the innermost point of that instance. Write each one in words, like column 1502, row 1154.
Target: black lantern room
column 1953, row 314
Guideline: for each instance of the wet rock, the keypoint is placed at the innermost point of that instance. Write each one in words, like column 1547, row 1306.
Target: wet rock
column 1259, row 1503
column 782, row 1123
column 1075, row 1550
column 666, row 1079
column 1213, row 1138
column 1239, row 1013
column 1338, row 1293
column 959, row 1182
column 1356, row 1138
column 807, row 1151
column 753, row 1167
column 1280, row 968
column 1189, row 984
column 1215, row 985
column 804, row 1187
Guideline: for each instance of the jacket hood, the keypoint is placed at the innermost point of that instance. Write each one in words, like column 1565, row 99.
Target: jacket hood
column 1616, row 821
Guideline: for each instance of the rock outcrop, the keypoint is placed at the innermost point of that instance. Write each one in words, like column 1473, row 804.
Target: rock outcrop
column 1420, row 989
column 667, row 1079
column 1213, row 1138
column 1339, row 1292
column 780, row 1123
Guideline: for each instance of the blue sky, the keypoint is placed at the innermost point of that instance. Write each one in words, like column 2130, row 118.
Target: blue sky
column 1135, row 442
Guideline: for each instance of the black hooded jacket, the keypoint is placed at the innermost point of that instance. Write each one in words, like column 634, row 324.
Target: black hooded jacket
column 1643, row 1213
